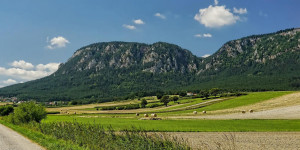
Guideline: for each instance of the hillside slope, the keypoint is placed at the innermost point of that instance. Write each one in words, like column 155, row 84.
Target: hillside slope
column 115, row 69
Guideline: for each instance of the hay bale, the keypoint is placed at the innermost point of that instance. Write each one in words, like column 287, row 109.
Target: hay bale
column 153, row 115
column 195, row 112
column 146, row 115
column 251, row 111
column 243, row 111
column 204, row 112
column 137, row 114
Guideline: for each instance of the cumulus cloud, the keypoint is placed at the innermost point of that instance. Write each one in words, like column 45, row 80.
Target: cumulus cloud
column 37, row 72
column 22, row 64
column 9, row 81
column 205, row 35
column 138, row 21
column 216, row 2
column 57, row 42
column 130, row 27
column 206, row 55
column 240, row 11
column 216, row 16
column 159, row 15
column 51, row 67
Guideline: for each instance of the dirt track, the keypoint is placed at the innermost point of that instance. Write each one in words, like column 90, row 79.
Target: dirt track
column 241, row 140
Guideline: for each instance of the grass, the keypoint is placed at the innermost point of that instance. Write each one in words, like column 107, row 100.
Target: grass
column 46, row 141
column 249, row 99
column 183, row 125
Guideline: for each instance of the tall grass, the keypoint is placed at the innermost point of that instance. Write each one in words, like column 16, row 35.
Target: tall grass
column 95, row 137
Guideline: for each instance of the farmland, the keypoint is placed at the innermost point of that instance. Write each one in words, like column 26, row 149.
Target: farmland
column 223, row 116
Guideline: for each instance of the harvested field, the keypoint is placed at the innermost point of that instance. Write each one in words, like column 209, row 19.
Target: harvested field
column 241, row 140
column 283, row 107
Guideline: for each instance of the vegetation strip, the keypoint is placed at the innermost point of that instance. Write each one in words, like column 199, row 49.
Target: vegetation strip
column 183, row 125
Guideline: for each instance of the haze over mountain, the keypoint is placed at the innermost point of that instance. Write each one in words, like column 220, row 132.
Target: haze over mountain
column 118, row 69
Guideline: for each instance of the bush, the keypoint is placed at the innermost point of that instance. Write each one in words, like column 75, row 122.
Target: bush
column 153, row 105
column 6, row 110
column 143, row 103
column 121, row 107
column 28, row 112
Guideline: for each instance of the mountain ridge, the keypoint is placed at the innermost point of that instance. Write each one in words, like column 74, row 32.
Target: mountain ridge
column 115, row 69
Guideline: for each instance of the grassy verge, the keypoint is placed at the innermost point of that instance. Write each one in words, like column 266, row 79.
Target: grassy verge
column 183, row 125
column 46, row 141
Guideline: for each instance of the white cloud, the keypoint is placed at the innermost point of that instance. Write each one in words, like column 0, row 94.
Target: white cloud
column 205, row 35
column 22, row 64
column 139, row 21
column 216, row 16
column 216, row 2
column 130, row 27
column 57, row 42
column 240, row 11
column 198, row 35
column 206, row 55
column 37, row 72
column 159, row 15
column 51, row 67
column 9, row 81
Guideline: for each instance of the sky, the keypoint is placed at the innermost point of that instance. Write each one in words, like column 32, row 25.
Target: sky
column 37, row 35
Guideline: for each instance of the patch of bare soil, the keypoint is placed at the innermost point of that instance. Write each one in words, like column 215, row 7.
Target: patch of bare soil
column 241, row 140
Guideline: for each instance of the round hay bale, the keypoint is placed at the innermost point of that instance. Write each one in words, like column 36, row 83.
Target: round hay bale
column 243, row 111
column 195, row 112
column 153, row 115
column 146, row 115
column 251, row 111
column 137, row 114
column 204, row 112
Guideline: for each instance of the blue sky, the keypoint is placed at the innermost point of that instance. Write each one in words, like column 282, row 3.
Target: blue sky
column 37, row 35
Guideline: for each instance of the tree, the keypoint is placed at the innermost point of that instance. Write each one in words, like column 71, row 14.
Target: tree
column 182, row 94
column 144, row 103
column 27, row 112
column 214, row 91
column 175, row 99
column 165, row 99
column 159, row 95
column 204, row 93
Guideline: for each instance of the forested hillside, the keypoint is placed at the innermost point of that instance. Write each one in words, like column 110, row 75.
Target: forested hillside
column 110, row 70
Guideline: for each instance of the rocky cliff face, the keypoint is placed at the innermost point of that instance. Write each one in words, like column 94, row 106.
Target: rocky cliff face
column 155, row 58
column 256, row 50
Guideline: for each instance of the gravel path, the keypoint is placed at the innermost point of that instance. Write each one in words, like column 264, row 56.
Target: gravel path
column 241, row 140
column 11, row 140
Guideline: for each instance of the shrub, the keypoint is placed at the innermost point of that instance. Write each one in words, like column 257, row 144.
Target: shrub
column 153, row 105
column 28, row 112
column 143, row 103
column 6, row 110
